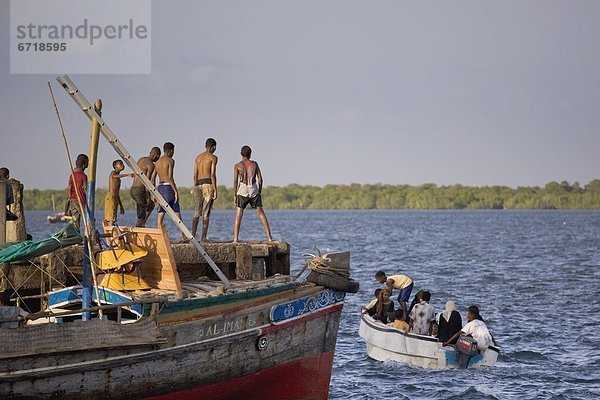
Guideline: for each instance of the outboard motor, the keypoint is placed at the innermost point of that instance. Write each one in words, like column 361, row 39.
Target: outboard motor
column 466, row 347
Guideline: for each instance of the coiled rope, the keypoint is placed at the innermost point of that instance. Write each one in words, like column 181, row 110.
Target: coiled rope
column 323, row 266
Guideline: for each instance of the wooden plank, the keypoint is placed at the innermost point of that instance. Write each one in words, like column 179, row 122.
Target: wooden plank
column 258, row 269
column 194, row 285
column 243, row 261
column 158, row 268
column 260, row 250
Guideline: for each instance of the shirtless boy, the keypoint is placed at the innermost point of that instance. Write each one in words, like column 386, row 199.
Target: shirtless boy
column 247, row 188
column 138, row 191
column 166, row 183
column 112, row 200
column 205, row 186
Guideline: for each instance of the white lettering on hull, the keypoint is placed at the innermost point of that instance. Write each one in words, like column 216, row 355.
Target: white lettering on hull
column 223, row 328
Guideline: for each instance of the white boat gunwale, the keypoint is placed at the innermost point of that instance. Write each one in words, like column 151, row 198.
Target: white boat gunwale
column 384, row 342
column 386, row 328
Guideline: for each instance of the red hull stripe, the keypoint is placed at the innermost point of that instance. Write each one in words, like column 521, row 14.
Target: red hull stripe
column 304, row 379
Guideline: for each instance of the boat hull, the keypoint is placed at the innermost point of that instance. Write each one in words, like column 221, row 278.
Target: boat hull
column 385, row 343
column 306, row 378
column 272, row 344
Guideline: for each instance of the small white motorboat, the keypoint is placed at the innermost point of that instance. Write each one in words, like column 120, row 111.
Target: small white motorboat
column 385, row 343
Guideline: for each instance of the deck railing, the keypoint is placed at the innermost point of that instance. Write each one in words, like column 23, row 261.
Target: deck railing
column 156, row 301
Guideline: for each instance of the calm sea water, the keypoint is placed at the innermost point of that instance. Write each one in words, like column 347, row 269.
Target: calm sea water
column 535, row 276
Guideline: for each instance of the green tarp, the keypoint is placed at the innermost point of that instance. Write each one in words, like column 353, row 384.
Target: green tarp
column 67, row 236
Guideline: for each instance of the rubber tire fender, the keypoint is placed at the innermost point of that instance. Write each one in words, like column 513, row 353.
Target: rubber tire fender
column 347, row 285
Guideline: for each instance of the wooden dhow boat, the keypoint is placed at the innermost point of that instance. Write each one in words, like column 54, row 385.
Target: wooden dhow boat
column 154, row 320
column 386, row 343
column 273, row 338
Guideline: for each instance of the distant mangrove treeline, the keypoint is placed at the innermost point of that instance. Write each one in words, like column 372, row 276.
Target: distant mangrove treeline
column 554, row 195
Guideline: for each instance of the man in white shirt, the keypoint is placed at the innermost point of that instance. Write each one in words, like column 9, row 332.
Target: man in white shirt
column 476, row 328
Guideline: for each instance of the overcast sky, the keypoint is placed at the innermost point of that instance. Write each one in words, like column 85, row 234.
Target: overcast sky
column 338, row 91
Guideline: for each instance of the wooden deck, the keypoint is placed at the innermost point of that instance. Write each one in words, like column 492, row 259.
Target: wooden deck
column 251, row 260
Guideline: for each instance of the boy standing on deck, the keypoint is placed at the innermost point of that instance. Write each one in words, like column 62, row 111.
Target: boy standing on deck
column 247, row 187
column 205, row 186
column 10, row 198
column 77, row 187
column 139, row 193
column 112, row 200
column 166, row 183
column 5, row 174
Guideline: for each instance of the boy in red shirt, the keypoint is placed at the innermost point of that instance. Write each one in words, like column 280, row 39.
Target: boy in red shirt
column 77, row 197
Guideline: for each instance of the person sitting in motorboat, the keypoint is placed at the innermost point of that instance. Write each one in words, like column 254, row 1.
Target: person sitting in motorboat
column 475, row 328
column 402, row 283
column 384, row 308
column 399, row 322
column 422, row 316
column 416, row 300
column 435, row 328
column 370, row 308
column 449, row 322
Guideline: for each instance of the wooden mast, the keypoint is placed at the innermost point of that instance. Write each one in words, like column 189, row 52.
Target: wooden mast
column 87, row 278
